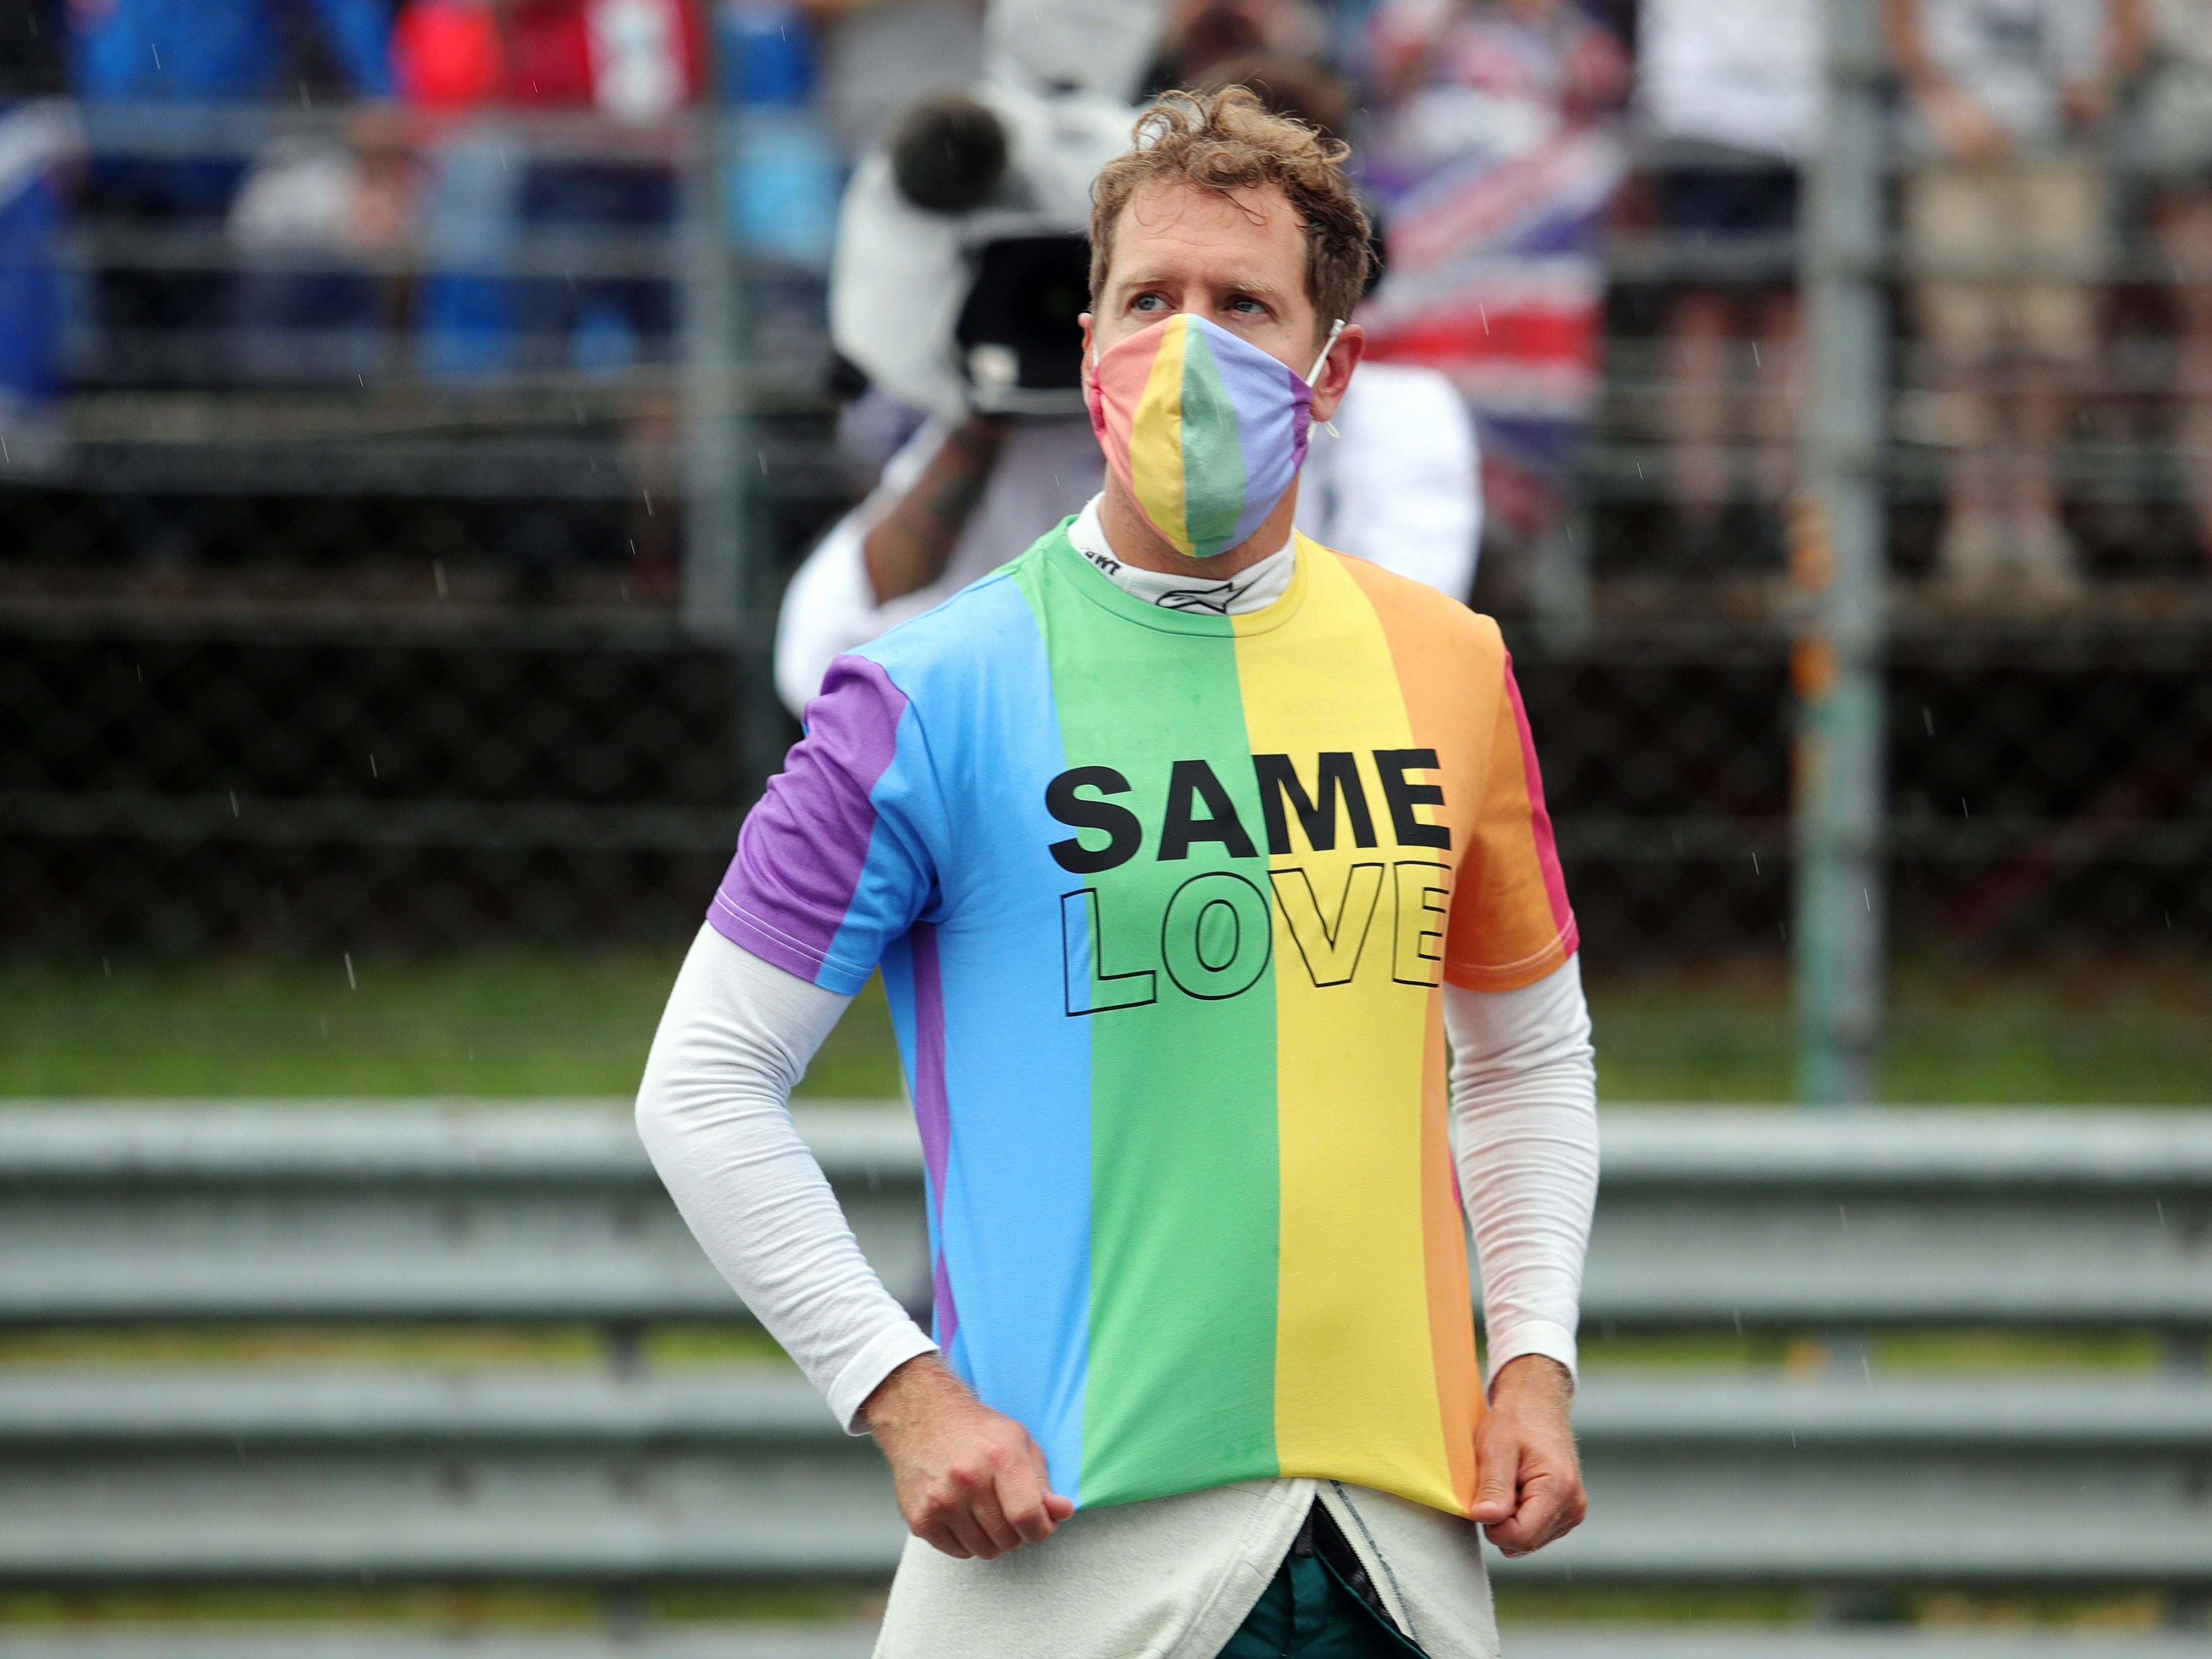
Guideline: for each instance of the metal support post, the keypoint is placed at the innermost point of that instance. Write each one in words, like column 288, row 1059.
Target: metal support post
column 728, row 584
column 1838, row 563
column 1559, row 585
column 714, row 536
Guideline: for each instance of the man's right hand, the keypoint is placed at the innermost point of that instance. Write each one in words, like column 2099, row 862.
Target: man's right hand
column 970, row 1481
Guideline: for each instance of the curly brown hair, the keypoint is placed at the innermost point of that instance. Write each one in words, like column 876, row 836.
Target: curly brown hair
column 1227, row 141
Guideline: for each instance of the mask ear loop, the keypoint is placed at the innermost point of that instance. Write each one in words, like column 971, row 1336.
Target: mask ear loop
column 1313, row 373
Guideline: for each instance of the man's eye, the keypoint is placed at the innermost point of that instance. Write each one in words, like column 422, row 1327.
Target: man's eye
column 1146, row 302
column 1245, row 305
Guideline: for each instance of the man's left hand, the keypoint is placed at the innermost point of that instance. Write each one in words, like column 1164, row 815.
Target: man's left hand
column 1528, row 1482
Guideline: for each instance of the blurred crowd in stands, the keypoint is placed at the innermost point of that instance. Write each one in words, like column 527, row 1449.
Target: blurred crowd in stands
column 1511, row 147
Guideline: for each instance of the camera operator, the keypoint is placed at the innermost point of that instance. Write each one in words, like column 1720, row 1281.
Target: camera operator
column 1398, row 484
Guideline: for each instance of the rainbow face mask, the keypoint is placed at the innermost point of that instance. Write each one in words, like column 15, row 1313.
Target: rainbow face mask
column 1205, row 431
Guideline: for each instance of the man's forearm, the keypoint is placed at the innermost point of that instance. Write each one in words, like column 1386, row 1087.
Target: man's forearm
column 712, row 1114
column 1524, row 1095
column 910, row 546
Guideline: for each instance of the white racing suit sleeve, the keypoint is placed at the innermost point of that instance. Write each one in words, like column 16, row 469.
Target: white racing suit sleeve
column 830, row 607
column 1524, row 1107
column 714, row 1114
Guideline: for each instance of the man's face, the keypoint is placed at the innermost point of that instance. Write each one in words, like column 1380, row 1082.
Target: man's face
column 1238, row 261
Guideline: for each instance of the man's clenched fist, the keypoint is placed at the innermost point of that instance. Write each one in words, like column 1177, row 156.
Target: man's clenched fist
column 970, row 1481
column 1527, row 1480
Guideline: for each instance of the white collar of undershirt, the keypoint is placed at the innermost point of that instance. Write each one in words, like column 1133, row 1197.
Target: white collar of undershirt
column 1252, row 588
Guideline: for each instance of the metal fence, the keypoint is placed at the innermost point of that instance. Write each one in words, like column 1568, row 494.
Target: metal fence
column 1862, row 1474
column 313, row 629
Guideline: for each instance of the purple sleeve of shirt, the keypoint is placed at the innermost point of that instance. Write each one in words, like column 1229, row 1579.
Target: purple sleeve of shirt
column 825, row 876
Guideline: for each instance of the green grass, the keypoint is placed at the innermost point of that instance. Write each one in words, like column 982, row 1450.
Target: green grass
column 495, row 1023
column 515, row 1024
column 440, row 1346
column 2072, row 1030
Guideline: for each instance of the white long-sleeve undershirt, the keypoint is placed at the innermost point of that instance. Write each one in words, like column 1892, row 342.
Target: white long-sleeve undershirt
column 738, row 1032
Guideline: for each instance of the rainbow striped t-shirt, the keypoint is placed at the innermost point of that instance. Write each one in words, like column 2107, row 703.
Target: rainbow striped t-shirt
column 1163, row 901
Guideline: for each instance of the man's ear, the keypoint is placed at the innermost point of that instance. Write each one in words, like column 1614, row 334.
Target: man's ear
column 1336, row 373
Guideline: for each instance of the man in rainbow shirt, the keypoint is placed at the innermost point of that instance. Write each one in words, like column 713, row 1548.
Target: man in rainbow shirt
column 1183, row 845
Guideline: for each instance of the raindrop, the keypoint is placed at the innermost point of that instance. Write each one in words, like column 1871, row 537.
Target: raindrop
column 108, row 968
column 352, row 984
column 648, row 503
column 372, row 763
column 1754, row 863
column 1927, row 720
column 233, row 803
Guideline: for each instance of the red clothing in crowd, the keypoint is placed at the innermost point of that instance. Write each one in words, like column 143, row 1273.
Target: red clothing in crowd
column 635, row 58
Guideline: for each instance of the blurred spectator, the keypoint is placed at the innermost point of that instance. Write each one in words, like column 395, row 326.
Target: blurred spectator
column 38, row 138
column 327, row 203
column 450, row 59
column 2173, row 135
column 1496, row 160
column 199, row 52
column 218, row 50
column 634, row 61
column 1202, row 36
column 1732, row 95
column 784, row 183
column 2004, row 98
